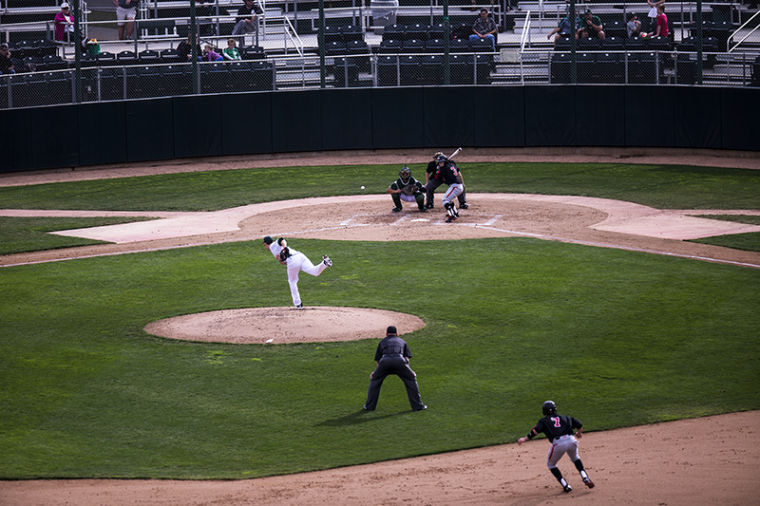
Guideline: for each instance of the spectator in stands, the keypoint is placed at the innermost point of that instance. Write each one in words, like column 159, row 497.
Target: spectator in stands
column 231, row 52
column 662, row 29
column 185, row 49
column 652, row 15
column 126, row 11
column 484, row 28
column 64, row 23
column 246, row 21
column 93, row 48
column 210, row 55
column 564, row 29
column 589, row 26
column 6, row 65
column 633, row 27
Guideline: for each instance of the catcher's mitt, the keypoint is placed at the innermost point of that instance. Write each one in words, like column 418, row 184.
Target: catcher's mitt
column 412, row 188
column 284, row 254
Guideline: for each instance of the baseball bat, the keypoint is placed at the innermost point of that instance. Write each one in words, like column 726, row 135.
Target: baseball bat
column 455, row 153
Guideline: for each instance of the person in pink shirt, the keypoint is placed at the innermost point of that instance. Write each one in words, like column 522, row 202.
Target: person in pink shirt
column 662, row 22
column 64, row 22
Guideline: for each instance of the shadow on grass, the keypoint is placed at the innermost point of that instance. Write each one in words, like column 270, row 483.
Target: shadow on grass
column 359, row 416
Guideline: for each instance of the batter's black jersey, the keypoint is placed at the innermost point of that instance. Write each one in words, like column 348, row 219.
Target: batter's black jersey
column 555, row 426
column 449, row 174
column 392, row 345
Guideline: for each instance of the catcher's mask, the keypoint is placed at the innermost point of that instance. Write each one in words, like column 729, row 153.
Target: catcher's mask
column 405, row 174
column 549, row 408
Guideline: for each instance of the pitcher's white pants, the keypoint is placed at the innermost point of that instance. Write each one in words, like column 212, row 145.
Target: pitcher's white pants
column 295, row 264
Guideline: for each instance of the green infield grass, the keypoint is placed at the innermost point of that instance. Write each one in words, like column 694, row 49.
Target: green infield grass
column 664, row 187
column 616, row 338
column 749, row 241
column 18, row 235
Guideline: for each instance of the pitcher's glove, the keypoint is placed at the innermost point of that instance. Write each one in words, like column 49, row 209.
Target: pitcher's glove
column 284, row 254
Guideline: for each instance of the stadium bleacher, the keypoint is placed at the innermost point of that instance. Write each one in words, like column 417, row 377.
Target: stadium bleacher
column 405, row 53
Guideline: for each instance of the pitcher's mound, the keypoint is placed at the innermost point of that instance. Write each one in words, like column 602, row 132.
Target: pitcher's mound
column 277, row 325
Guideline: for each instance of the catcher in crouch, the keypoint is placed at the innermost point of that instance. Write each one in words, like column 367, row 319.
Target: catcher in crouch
column 408, row 189
column 295, row 261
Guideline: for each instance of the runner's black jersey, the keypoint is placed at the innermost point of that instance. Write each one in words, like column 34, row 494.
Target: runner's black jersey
column 555, row 426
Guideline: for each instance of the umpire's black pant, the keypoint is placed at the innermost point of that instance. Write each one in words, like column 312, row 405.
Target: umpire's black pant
column 393, row 365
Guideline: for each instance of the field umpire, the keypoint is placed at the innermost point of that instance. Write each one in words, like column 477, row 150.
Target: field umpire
column 392, row 357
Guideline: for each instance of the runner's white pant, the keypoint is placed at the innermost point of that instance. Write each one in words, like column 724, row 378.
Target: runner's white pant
column 296, row 263
column 452, row 193
column 561, row 446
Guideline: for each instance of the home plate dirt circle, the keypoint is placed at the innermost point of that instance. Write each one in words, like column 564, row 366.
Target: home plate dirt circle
column 280, row 325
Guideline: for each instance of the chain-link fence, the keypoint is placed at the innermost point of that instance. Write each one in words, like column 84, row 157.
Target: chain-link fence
column 125, row 82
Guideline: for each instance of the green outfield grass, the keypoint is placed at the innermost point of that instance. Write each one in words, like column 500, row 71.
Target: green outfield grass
column 617, row 338
column 674, row 187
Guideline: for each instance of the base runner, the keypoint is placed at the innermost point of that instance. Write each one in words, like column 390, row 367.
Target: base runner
column 559, row 431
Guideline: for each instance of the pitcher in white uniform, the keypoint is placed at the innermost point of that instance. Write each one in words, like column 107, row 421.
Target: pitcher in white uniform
column 295, row 261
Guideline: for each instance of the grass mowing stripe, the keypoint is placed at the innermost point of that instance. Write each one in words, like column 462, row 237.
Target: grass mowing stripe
column 624, row 338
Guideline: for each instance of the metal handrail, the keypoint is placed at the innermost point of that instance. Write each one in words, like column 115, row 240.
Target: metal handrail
column 728, row 41
column 525, row 35
column 291, row 34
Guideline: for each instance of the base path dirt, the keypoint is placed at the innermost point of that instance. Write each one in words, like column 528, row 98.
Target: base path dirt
column 700, row 461
column 704, row 461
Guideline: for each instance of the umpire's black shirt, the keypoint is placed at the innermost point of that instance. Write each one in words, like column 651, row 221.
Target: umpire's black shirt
column 392, row 346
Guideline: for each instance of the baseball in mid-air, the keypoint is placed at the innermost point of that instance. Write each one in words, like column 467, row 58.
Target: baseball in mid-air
column 362, row 187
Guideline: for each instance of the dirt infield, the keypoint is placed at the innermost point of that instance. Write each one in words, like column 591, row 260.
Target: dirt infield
column 699, row 461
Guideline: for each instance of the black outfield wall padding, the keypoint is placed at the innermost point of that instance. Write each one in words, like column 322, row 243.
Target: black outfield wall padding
column 154, row 141
column 697, row 117
column 246, row 123
column 648, row 117
column 296, row 120
column 549, row 116
column 197, row 126
column 397, row 117
column 346, row 119
column 599, row 114
column 378, row 118
column 99, row 144
column 453, row 110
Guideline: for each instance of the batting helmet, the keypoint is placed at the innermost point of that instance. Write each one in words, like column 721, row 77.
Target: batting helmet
column 549, row 408
column 435, row 156
column 405, row 174
column 440, row 158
